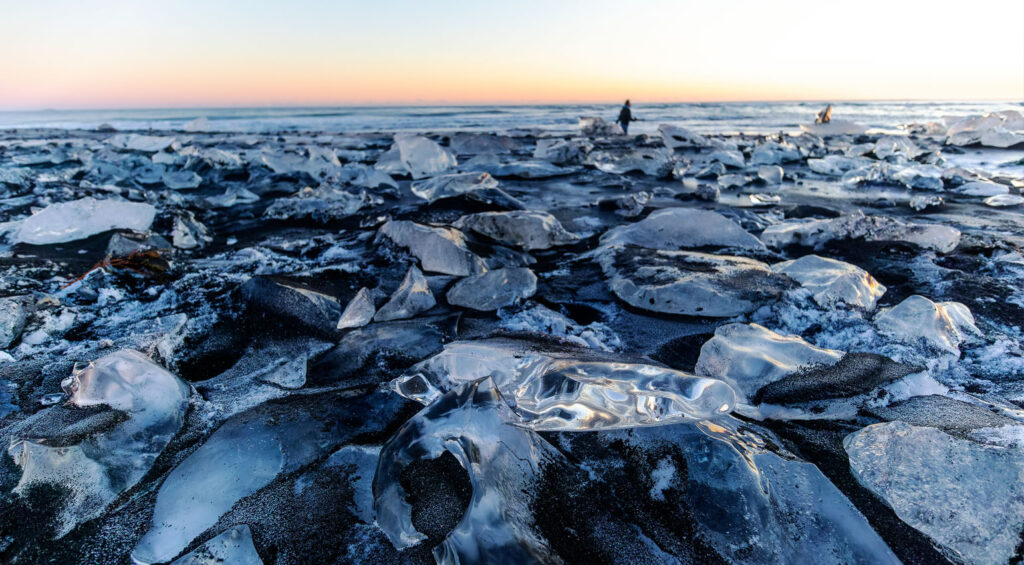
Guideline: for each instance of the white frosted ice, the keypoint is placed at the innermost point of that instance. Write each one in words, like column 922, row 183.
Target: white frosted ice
column 966, row 496
column 592, row 126
column 774, row 153
column 102, row 466
column 563, row 151
column 814, row 233
column 231, row 547
column 981, row 188
column 771, row 174
column 359, row 311
column 655, row 162
column 440, row 250
column 232, row 195
column 942, row 325
column 728, row 158
column 423, row 157
column 562, row 389
column 445, row 186
column 680, row 228
column 178, row 180
column 676, row 137
column 921, row 203
column 896, row 148
column 1004, row 200
column 527, row 229
column 541, row 319
column 833, row 282
column 79, row 219
column 837, row 165
column 412, row 297
column 749, row 356
column 927, row 177
column 494, row 289
column 998, row 129
column 12, row 321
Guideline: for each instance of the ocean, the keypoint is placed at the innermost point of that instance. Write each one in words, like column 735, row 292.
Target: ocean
column 757, row 118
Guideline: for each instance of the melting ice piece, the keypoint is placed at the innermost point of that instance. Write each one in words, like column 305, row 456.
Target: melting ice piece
column 359, row 312
column 494, row 289
column 412, row 297
column 942, row 325
column 12, row 321
column 141, row 143
column 837, row 165
column 423, row 157
column 749, row 356
column 595, row 126
column 189, row 233
column 655, row 162
column 440, row 250
column 981, row 188
column 896, row 147
column 680, row 228
column 446, row 186
column 533, row 169
column 551, row 388
column 998, row 129
column 921, row 203
column 233, row 195
column 927, row 177
column 102, row 466
column 834, row 127
column 964, row 495
column 232, row 547
column 178, row 180
column 771, row 174
column 689, row 283
column 676, row 137
column 502, row 461
column 79, row 219
column 814, row 233
column 773, row 153
column 832, row 282
column 563, row 151
column 1003, row 200
column 729, row 158
column 527, row 229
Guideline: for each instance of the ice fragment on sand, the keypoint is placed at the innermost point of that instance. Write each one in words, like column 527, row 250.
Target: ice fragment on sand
column 831, row 282
column 749, row 356
column 921, row 203
column 562, row 151
column 79, row 219
column 681, row 228
column 655, row 162
column 440, row 250
column 1002, row 200
column 12, row 321
column 981, row 188
column 962, row 494
column 942, row 325
column 412, row 297
column 177, row 180
column 728, row 158
column 814, row 233
column 676, row 137
column 445, row 186
column 773, row 153
column 527, row 229
column 494, row 289
column 359, row 311
column 141, row 143
column 232, row 547
column 595, row 126
column 423, row 157
column 771, row 174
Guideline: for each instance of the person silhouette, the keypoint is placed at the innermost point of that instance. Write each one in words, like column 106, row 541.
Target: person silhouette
column 625, row 116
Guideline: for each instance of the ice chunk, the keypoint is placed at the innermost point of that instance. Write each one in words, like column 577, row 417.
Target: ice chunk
column 477, row 143
column 79, row 219
column 552, row 387
column 232, row 547
column 630, row 205
column 981, row 188
column 539, row 318
column 141, row 143
column 102, row 466
column 966, row 496
column 655, row 162
column 732, row 181
column 563, row 151
column 834, row 127
column 189, row 233
column 494, row 289
column 527, row 229
column 1001, row 137
column 359, row 312
column 595, row 126
column 896, row 148
column 411, row 298
column 832, row 282
column 292, row 300
column 12, row 321
column 942, row 325
column 440, row 250
column 689, row 283
column 837, row 165
column 676, row 137
column 1003, row 200
column 815, row 233
column 998, row 129
column 177, row 180
column 532, row 169
column 423, row 157
column 732, row 159
column 502, row 462
column 927, row 177
column 921, row 203
column 771, row 174
column 323, row 203
column 680, row 228
column 774, row 153
column 749, row 356
column 446, row 186
column 232, row 195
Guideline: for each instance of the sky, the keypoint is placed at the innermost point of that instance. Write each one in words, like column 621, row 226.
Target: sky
column 220, row 53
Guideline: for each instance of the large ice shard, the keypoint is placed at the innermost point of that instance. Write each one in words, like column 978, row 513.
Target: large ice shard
column 595, row 126
column 941, row 325
column 773, row 153
column 445, row 186
column 689, row 283
column 831, row 282
column 527, row 229
column 359, row 311
column 469, row 422
column 412, row 297
column 563, row 151
column 749, row 356
column 815, row 233
column 569, row 389
column 655, row 162
column 676, row 137
column 998, row 129
column 440, row 250
column 494, row 289
column 232, row 547
column 964, row 495
column 1004, row 200
column 79, row 219
column 103, row 465
column 422, row 157
column 682, row 228
column 925, row 177
column 981, row 188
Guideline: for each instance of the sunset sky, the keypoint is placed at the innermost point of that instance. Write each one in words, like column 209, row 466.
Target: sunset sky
column 105, row 54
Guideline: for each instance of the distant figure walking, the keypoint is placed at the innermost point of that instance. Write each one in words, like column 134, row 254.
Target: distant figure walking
column 824, row 116
column 625, row 116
